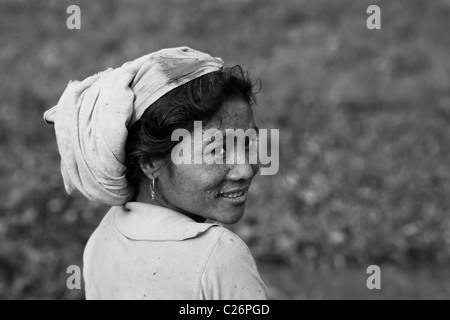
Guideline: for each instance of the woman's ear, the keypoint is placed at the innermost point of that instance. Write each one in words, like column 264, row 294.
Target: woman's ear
column 151, row 168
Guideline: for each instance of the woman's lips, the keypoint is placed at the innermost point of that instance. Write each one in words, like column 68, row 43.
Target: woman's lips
column 235, row 197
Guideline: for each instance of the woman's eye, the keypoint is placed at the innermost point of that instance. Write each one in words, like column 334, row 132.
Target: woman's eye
column 251, row 142
column 248, row 143
column 221, row 151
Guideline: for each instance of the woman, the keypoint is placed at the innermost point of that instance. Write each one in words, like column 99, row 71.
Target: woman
column 114, row 133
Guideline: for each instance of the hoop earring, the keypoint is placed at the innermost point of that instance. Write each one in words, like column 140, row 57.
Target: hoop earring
column 152, row 189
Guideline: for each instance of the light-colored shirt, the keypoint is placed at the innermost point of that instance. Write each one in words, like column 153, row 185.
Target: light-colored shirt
column 151, row 252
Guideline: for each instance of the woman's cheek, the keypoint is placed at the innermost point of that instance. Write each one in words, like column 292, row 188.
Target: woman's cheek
column 192, row 177
column 185, row 178
column 213, row 175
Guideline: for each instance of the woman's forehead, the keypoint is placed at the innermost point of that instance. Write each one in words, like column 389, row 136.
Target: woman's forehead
column 234, row 114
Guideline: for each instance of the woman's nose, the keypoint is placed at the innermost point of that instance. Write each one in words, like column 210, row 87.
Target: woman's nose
column 243, row 172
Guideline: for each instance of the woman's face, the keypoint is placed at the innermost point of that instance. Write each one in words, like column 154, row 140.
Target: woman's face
column 213, row 191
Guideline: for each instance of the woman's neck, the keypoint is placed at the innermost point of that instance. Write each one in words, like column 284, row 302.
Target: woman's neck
column 145, row 197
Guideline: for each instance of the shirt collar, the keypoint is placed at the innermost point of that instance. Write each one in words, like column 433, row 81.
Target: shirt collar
column 147, row 222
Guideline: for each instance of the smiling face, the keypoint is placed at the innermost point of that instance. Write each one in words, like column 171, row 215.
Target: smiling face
column 213, row 191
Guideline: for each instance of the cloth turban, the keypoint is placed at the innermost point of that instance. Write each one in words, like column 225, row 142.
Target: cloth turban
column 92, row 117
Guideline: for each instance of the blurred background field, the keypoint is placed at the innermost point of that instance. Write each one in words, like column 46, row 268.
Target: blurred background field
column 363, row 116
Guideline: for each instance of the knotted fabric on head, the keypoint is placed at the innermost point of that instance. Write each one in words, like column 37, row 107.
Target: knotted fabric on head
column 92, row 117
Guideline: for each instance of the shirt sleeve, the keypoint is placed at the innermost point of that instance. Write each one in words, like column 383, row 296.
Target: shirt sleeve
column 230, row 272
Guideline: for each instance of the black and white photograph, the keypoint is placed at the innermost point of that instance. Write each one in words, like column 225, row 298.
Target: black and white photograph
column 241, row 151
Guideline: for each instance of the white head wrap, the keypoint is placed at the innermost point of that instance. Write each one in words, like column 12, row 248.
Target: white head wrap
column 92, row 117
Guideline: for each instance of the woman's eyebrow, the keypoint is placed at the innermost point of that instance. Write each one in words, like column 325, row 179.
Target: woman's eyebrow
column 253, row 127
column 224, row 135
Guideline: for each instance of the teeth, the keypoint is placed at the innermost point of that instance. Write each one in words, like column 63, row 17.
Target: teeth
column 232, row 195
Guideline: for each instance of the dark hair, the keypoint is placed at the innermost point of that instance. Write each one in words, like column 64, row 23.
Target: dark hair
column 198, row 100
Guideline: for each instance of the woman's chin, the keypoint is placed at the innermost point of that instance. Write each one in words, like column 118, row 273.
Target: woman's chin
column 231, row 216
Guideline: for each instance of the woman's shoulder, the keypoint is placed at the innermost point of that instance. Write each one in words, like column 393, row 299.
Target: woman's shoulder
column 226, row 246
column 225, row 237
column 230, row 271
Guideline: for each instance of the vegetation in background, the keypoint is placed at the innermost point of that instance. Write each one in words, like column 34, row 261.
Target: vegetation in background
column 363, row 116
